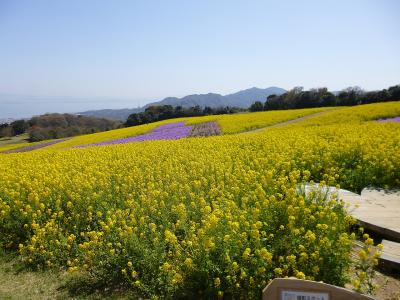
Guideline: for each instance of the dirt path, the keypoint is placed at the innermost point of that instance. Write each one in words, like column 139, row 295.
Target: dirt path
column 34, row 146
column 288, row 122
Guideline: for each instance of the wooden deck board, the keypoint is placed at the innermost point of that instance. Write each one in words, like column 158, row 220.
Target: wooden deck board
column 377, row 210
column 391, row 254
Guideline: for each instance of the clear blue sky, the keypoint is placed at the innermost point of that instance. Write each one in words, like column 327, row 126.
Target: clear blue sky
column 145, row 50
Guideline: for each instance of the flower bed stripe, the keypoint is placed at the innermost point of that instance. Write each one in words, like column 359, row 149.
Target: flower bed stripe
column 171, row 131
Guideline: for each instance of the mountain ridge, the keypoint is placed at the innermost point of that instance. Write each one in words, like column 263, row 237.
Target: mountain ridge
column 242, row 99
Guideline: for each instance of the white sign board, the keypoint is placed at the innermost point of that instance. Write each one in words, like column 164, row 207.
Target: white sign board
column 301, row 295
column 298, row 289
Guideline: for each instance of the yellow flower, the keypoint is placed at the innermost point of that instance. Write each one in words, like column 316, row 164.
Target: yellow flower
column 188, row 262
column 246, row 253
column 300, row 275
column 217, row 282
column 266, row 255
column 278, row 271
column 362, row 254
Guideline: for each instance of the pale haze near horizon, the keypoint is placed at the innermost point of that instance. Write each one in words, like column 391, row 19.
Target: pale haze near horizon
column 69, row 56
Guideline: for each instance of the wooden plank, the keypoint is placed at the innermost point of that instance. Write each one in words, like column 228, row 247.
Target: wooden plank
column 391, row 254
column 376, row 210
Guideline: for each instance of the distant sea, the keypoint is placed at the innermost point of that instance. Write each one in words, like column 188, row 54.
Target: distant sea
column 17, row 107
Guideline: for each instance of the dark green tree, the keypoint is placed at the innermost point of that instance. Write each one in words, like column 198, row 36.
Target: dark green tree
column 19, row 127
column 257, row 106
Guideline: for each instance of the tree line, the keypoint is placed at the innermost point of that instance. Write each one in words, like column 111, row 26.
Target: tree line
column 13, row 128
column 54, row 126
column 164, row 112
column 319, row 97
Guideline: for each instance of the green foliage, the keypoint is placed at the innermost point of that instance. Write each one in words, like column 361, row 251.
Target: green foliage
column 55, row 126
column 165, row 112
column 256, row 106
column 320, row 97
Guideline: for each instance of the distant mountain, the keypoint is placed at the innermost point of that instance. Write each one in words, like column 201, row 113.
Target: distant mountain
column 247, row 97
column 241, row 99
column 210, row 99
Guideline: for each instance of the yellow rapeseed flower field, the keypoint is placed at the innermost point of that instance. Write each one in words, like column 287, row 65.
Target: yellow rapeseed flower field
column 249, row 121
column 200, row 217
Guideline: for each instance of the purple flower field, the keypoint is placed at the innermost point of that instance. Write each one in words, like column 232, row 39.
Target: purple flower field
column 395, row 119
column 172, row 131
